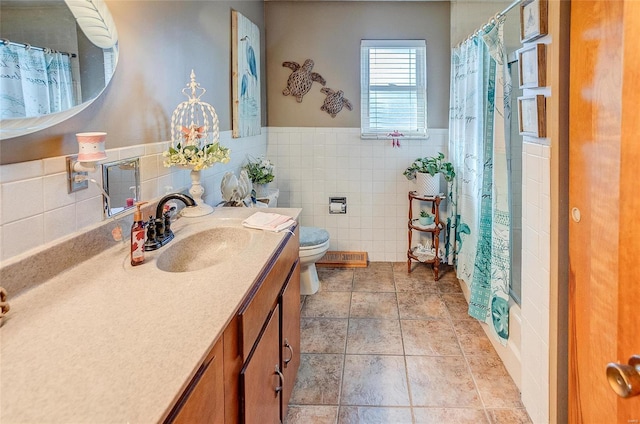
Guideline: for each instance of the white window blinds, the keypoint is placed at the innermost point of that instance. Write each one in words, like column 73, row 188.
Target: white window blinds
column 393, row 88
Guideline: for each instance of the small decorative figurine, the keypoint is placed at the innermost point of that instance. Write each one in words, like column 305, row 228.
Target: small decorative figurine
column 334, row 101
column 235, row 190
column 300, row 80
column 395, row 141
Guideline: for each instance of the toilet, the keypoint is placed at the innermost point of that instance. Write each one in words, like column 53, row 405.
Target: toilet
column 314, row 243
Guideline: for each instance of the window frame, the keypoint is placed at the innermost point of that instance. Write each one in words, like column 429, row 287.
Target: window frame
column 369, row 131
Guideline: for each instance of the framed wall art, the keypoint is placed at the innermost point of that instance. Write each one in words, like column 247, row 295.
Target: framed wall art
column 533, row 19
column 532, row 66
column 532, row 116
column 245, row 76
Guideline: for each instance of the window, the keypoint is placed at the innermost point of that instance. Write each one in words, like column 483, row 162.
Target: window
column 393, row 88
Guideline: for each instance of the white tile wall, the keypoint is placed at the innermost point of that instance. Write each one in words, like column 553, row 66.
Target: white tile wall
column 536, row 243
column 35, row 208
column 313, row 164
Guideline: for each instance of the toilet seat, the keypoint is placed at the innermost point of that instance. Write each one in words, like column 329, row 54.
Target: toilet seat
column 319, row 249
column 311, row 237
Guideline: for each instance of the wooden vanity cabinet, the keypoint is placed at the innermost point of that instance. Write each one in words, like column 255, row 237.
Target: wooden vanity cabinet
column 270, row 340
column 250, row 373
column 269, row 374
column 203, row 400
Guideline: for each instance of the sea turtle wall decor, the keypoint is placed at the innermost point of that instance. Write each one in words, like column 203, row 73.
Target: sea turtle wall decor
column 301, row 79
column 334, row 102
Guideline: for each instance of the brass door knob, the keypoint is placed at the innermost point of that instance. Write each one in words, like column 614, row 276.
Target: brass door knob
column 625, row 379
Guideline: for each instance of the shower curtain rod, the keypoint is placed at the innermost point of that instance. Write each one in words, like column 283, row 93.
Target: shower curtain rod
column 508, row 8
column 29, row 46
column 495, row 17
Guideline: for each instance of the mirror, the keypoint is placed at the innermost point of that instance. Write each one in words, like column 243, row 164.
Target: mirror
column 56, row 58
column 121, row 182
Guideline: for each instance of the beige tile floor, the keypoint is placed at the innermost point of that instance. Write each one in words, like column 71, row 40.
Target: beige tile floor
column 379, row 345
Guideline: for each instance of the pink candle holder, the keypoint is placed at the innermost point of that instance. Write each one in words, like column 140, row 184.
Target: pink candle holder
column 91, row 146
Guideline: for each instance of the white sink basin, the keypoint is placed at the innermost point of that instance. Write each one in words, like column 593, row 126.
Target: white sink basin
column 203, row 249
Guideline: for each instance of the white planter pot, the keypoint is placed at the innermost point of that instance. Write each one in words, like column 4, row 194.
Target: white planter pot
column 428, row 185
column 262, row 190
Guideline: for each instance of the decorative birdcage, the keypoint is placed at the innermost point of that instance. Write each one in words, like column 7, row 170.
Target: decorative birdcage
column 195, row 142
column 195, row 136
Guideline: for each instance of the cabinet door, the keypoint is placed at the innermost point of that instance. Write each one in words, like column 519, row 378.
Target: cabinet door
column 261, row 378
column 290, row 334
column 203, row 401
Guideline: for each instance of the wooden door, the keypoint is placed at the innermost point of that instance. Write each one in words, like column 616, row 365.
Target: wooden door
column 604, row 197
column 261, row 385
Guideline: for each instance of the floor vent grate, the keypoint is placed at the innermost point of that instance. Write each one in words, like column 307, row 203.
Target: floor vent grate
column 344, row 260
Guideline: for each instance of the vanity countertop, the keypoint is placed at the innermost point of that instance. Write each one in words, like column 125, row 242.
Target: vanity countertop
column 107, row 342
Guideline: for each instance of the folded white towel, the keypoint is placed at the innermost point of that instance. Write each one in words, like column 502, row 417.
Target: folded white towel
column 268, row 221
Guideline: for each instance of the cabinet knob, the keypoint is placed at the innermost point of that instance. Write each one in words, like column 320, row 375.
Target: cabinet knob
column 281, row 377
column 288, row 346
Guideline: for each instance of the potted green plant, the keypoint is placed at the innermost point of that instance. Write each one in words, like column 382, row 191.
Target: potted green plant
column 425, row 218
column 261, row 172
column 427, row 171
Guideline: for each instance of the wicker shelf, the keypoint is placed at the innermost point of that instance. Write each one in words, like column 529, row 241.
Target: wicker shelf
column 434, row 229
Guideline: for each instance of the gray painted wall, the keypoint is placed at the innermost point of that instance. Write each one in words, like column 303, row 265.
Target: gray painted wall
column 160, row 42
column 158, row 52
column 469, row 16
column 330, row 34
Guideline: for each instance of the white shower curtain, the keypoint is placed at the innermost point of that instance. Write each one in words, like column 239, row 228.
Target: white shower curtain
column 479, row 231
column 60, row 81
column 33, row 82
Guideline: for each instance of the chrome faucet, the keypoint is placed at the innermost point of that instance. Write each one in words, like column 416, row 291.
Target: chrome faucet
column 159, row 229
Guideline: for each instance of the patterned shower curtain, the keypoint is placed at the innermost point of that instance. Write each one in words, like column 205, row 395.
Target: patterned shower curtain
column 33, row 82
column 59, row 81
column 478, row 208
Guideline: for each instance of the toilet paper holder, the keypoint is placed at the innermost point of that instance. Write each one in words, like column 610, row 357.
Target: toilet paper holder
column 337, row 205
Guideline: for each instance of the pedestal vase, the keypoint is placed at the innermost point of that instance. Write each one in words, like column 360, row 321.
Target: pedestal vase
column 196, row 191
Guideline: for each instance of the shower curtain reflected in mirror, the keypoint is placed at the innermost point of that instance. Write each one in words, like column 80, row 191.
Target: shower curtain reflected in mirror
column 33, row 82
column 478, row 208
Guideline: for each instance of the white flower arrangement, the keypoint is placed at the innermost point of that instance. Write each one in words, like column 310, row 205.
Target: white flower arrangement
column 260, row 171
column 192, row 155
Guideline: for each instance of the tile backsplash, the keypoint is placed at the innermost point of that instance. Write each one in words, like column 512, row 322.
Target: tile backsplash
column 313, row 164
column 36, row 211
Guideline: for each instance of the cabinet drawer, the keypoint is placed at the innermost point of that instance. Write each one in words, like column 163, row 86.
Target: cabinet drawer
column 264, row 294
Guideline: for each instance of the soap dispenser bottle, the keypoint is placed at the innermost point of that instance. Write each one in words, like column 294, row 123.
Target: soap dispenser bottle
column 137, row 236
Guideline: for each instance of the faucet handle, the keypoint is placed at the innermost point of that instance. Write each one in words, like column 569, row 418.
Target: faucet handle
column 152, row 242
column 160, row 227
column 167, row 221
